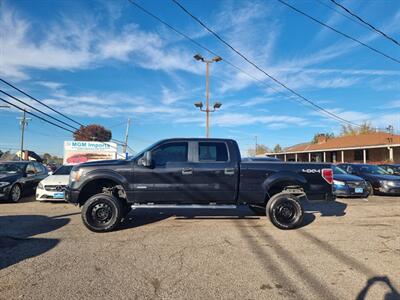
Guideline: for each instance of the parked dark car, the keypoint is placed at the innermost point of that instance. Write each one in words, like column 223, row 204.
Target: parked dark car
column 347, row 185
column 393, row 169
column 20, row 177
column 378, row 180
column 195, row 171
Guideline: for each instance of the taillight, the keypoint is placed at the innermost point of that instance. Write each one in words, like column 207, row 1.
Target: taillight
column 327, row 174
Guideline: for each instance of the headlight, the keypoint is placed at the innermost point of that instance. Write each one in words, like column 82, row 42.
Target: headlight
column 40, row 186
column 387, row 182
column 3, row 184
column 337, row 182
column 75, row 175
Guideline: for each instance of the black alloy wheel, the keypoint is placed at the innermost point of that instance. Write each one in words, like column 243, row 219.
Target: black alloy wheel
column 285, row 211
column 102, row 213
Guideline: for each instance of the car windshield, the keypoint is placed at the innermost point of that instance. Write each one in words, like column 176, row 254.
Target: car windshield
column 337, row 170
column 370, row 169
column 11, row 168
column 63, row 170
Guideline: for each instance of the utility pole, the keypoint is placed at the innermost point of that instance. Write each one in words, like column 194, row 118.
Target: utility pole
column 128, row 124
column 23, row 123
column 200, row 104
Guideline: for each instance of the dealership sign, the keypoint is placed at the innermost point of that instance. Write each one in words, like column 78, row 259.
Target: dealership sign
column 76, row 152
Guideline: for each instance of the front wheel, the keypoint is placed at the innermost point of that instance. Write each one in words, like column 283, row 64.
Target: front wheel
column 285, row 211
column 15, row 193
column 102, row 213
column 370, row 189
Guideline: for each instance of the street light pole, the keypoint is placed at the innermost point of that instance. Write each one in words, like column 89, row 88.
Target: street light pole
column 207, row 101
column 200, row 104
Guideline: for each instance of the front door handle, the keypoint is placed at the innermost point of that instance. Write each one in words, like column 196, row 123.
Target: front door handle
column 187, row 171
column 229, row 171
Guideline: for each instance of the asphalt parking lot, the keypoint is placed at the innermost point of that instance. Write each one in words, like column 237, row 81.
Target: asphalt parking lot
column 349, row 249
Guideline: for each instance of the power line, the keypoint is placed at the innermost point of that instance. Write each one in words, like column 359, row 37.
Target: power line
column 313, row 105
column 38, row 110
column 337, row 31
column 35, row 115
column 321, row 2
column 263, row 71
column 366, row 23
column 33, row 98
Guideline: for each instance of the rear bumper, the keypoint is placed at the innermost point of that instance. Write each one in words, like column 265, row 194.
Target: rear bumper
column 71, row 196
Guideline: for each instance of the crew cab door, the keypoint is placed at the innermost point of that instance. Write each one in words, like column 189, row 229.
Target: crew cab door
column 215, row 175
column 166, row 180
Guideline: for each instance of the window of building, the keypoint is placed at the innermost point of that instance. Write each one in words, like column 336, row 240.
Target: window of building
column 358, row 155
column 213, row 151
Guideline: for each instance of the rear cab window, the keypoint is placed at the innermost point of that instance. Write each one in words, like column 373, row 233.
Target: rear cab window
column 213, row 152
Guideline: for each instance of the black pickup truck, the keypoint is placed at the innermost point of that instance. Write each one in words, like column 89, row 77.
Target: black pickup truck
column 195, row 171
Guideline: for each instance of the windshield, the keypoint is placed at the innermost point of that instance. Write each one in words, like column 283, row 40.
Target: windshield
column 370, row 169
column 63, row 170
column 11, row 168
column 337, row 170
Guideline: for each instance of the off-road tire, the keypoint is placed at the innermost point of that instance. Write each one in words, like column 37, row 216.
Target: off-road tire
column 285, row 211
column 102, row 212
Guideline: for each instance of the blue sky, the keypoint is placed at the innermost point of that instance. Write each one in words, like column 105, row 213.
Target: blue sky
column 104, row 61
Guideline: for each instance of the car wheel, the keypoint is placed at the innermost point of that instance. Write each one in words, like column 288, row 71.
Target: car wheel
column 15, row 193
column 102, row 213
column 285, row 211
column 370, row 189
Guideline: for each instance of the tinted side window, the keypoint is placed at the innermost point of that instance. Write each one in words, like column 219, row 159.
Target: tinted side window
column 172, row 152
column 39, row 168
column 30, row 168
column 212, row 151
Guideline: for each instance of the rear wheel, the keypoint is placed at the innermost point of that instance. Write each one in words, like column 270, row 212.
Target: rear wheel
column 285, row 211
column 102, row 213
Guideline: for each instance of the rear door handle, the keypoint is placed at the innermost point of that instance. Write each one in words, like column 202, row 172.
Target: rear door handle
column 229, row 171
column 188, row 171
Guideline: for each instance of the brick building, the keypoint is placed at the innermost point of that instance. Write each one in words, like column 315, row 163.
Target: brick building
column 376, row 147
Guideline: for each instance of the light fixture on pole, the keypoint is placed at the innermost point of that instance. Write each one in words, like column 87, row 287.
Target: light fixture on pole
column 199, row 105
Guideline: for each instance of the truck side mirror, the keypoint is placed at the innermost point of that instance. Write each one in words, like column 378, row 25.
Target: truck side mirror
column 146, row 160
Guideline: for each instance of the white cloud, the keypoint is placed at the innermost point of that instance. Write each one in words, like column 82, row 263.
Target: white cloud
column 71, row 44
column 50, row 84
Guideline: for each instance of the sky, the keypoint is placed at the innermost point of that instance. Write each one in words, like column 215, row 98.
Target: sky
column 103, row 62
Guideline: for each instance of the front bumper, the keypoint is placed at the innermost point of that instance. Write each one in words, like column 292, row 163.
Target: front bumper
column 347, row 191
column 5, row 192
column 389, row 190
column 43, row 195
column 71, row 196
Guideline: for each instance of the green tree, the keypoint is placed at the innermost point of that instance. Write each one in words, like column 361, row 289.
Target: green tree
column 277, row 148
column 327, row 135
column 364, row 128
column 261, row 149
column 92, row 132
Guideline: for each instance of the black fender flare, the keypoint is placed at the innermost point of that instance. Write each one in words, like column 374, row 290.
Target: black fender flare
column 104, row 174
column 284, row 177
